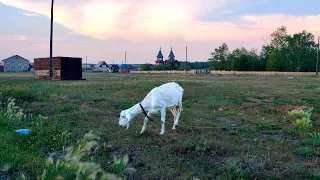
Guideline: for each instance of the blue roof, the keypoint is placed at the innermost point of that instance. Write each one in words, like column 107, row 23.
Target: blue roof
column 160, row 53
column 126, row 66
column 171, row 53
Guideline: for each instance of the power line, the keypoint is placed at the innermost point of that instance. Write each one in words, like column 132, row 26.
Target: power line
column 183, row 22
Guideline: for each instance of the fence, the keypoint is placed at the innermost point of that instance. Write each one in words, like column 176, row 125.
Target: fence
column 264, row 73
column 204, row 71
column 163, row 72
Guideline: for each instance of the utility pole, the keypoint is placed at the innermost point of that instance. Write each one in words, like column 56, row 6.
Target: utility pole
column 125, row 57
column 317, row 56
column 86, row 63
column 186, row 58
column 51, row 27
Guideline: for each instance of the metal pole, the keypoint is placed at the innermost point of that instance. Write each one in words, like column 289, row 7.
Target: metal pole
column 51, row 27
column 125, row 57
column 317, row 56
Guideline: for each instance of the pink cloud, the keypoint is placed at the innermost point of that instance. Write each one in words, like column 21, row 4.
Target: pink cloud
column 145, row 25
column 21, row 38
column 146, row 21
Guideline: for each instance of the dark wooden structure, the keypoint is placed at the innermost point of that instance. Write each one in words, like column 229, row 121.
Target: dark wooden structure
column 65, row 68
column 203, row 71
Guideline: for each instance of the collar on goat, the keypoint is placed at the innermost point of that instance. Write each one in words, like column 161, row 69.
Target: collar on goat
column 144, row 112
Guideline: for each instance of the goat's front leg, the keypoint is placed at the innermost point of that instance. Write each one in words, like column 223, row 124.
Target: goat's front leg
column 163, row 119
column 145, row 123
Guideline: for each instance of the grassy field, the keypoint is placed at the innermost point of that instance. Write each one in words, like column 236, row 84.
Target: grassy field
column 232, row 127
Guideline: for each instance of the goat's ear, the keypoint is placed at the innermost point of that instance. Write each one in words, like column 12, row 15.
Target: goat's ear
column 128, row 116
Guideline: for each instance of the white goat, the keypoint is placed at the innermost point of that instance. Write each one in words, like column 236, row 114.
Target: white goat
column 166, row 96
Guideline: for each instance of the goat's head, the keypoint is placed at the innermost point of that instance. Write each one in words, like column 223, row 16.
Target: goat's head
column 124, row 119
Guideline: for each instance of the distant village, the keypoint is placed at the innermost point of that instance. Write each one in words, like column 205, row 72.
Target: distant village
column 17, row 63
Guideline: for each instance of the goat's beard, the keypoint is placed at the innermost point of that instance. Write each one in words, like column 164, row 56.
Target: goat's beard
column 128, row 125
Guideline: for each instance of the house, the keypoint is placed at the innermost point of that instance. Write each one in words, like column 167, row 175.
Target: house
column 87, row 67
column 102, row 66
column 31, row 67
column 65, row 68
column 126, row 68
column 114, row 68
column 170, row 61
column 15, row 63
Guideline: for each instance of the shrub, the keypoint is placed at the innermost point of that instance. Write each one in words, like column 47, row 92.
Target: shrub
column 302, row 120
column 72, row 164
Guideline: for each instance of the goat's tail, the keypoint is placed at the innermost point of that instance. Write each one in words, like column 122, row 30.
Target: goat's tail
column 180, row 99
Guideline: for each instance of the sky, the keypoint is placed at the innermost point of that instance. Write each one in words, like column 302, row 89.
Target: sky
column 103, row 30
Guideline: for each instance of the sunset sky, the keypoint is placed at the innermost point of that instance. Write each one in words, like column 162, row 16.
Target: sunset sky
column 104, row 29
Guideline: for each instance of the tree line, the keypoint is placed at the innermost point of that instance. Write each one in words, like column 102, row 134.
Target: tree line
column 183, row 66
column 282, row 52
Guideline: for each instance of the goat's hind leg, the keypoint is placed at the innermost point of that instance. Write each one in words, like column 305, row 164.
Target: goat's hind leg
column 177, row 116
column 174, row 113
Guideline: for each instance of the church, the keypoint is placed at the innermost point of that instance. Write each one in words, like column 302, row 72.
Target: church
column 171, row 59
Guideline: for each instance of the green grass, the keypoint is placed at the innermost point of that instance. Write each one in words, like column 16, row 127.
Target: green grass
column 254, row 103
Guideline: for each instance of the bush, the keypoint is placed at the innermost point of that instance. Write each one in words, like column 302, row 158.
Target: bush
column 302, row 120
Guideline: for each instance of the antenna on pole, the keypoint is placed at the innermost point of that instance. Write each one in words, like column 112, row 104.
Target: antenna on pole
column 51, row 27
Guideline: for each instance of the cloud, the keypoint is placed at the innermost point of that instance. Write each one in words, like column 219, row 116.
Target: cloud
column 160, row 20
column 226, row 12
column 143, row 20
column 21, row 38
column 141, row 27
column 30, row 14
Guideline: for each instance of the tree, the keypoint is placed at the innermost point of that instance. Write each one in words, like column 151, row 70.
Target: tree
column 241, row 63
column 279, row 46
column 301, row 52
column 146, row 67
column 282, row 52
column 238, row 59
column 272, row 64
column 172, row 66
column 256, row 63
column 279, row 38
column 218, row 58
column 157, row 68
